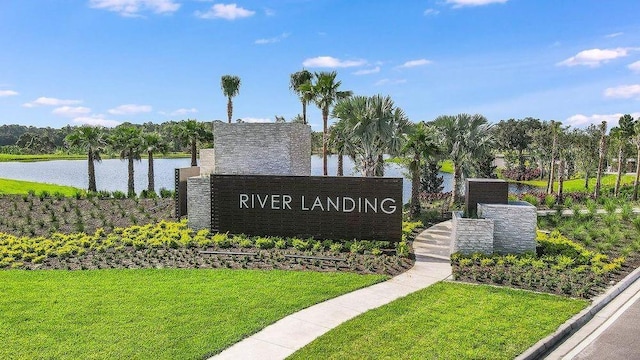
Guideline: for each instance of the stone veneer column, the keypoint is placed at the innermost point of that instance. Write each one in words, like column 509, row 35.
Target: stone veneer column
column 199, row 202
column 515, row 226
column 471, row 235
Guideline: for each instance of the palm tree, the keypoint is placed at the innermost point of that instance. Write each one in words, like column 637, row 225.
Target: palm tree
column 230, row 88
column 298, row 79
column 374, row 127
column 325, row 93
column 420, row 145
column 153, row 143
column 636, row 142
column 127, row 140
column 602, row 149
column 192, row 131
column 621, row 135
column 555, row 129
column 92, row 140
column 464, row 136
column 338, row 140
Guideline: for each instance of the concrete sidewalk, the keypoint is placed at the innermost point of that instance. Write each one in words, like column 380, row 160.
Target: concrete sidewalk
column 283, row 338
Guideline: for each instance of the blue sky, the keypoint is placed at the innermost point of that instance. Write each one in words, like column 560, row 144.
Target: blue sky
column 109, row 61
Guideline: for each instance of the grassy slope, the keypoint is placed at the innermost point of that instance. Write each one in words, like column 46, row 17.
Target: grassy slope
column 447, row 321
column 10, row 186
column 578, row 184
column 150, row 314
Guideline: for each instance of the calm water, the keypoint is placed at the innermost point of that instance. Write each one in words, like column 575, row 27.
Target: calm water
column 111, row 174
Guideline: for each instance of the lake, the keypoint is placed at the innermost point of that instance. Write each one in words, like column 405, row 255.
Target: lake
column 111, row 174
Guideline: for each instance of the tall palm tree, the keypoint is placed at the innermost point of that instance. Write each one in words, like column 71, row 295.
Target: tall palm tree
column 191, row 131
column 325, row 93
column 339, row 141
column 464, row 136
column 127, row 140
column 421, row 143
column 554, row 127
column 602, row 150
column 374, row 127
column 153, row 143
column 92, row 140
column 296, row 84
column 230, row 88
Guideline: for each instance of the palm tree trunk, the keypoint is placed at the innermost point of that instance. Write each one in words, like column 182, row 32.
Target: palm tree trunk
column 152, row 186
column 552, row 166
column 602, row 154
column 560, row 181
column 92, row 171
column 586, row 180
column 131, row 191
column 456, row 181
column 194, row 161
column 304, row 112
column 415, row 186
column 380, row 165
column 229, row 109
column 636, row 182
column 616, row 190
column 340, row 164
column 325, row 134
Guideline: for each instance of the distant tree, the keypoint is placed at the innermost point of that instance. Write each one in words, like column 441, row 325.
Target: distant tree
column 93, row 141
column 554, row 129
column 297, row 85
column 126, row 139
column 420, row 145
column 636, row 142
column 602, row 152
column 230, row 88
column 325, row 93
column 191, row 131
column 298, row 119
column 153, row 143
column 280, row 119
column 516, row 135
column 464, row 137
column 338, row 142
column 585, row 141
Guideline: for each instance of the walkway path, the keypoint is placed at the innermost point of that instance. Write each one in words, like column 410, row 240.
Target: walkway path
column 283, row 338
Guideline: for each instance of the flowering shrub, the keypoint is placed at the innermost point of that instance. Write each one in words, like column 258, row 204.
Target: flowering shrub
column 525, row 174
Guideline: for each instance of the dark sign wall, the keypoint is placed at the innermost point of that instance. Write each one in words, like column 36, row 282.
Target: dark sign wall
column 339, row 208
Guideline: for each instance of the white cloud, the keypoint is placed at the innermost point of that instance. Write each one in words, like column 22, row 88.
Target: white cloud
column 272, row 40
column 256, row 120
column 4, row 93
column 96, row 120
column 414, row 63
column 71, row 111
column 47, row 101
column 462, row 3
column 594, row 57
column 367, row 71
column 390, row 82
column 614, row 35
column 130, row 109
column 580, row 120
column 184, row 111
column 132, row 8
column 623, row 91
column 331, row 62
column 225, row 11
column 635, row 67
column 431, row 12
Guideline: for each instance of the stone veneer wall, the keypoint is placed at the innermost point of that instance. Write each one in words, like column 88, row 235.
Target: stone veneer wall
column 199, row 202
column 260, row 149
column 514, row 226
column 471, row 235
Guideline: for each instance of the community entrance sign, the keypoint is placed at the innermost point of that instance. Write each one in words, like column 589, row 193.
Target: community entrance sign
column 308, row 206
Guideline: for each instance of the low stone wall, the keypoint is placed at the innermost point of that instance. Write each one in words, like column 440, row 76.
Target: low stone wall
column 471, row 235
column 514, row 226
column 199, row 202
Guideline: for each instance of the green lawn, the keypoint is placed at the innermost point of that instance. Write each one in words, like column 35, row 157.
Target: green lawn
column 10, row 186
column 578, row 184
column 151, row 314
column 447, row 321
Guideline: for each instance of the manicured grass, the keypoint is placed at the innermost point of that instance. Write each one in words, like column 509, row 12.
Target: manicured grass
column 10, row 186
column 578, row 184
column 447, row 321
column 150, row 314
